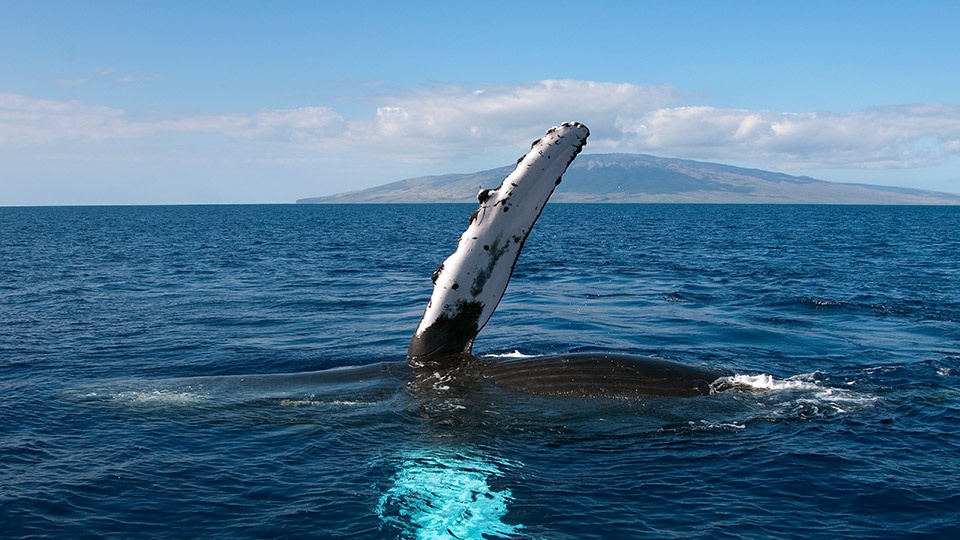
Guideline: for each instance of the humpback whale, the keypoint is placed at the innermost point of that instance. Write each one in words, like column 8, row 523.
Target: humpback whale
column 470, row 283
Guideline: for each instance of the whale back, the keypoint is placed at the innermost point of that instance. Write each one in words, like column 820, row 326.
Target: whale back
column 600, row 375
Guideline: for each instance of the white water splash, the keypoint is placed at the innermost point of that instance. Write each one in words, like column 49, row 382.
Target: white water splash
column 764, row 382
column 800, row 394
column 515, row 354
column 178, row 398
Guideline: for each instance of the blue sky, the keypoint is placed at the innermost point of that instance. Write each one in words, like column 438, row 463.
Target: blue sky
column 148, row 102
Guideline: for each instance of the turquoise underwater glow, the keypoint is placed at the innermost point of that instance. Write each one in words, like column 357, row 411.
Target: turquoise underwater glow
column 446, row 494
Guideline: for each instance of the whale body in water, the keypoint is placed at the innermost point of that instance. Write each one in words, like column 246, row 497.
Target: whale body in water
column 470, row 283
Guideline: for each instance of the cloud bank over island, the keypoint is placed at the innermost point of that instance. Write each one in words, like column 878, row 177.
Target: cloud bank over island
column 447, row 123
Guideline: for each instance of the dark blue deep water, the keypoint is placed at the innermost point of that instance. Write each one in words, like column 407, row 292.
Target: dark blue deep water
column 189, row 372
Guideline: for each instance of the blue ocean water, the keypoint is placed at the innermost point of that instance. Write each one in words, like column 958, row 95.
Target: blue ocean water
column 192, row 372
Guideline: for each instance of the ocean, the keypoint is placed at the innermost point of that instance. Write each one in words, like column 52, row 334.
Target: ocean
column 238, row 372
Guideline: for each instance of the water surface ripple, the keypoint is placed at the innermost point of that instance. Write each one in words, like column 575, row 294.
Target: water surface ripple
column 176, row 372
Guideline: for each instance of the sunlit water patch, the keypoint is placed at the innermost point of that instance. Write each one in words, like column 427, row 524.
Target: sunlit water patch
column 440, row 492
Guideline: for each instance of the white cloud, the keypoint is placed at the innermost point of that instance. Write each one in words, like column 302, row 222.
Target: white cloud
column 894, row 136
column 28, row 121
column 72, row 83
column 450, row 123
column 437, row 120
column 306, row 125
column 127, row 79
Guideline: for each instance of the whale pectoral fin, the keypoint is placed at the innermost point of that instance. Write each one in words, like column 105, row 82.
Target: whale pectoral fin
column 450, row 334
column 469, row 284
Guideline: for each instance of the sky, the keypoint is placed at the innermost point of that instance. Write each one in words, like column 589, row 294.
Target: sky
column 222, row 102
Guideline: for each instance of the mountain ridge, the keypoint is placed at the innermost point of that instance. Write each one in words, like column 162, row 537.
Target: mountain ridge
column 644, row 178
